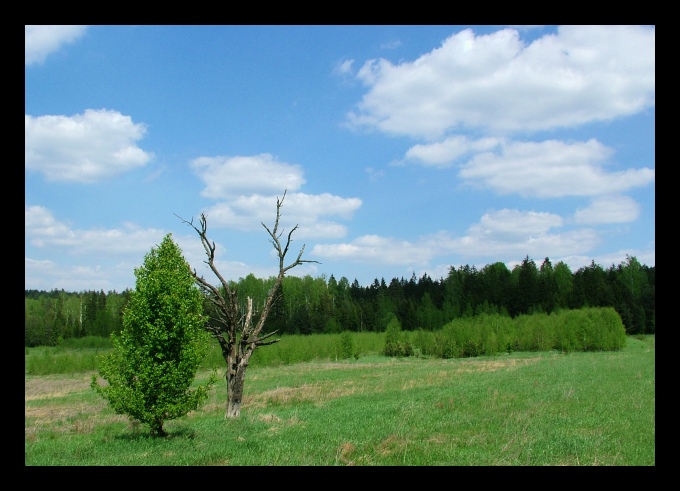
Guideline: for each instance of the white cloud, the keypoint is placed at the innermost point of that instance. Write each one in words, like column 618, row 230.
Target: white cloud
column 374, row 174
column 343, row 67
column 306, row 211
column 247, row 186
column 40, row 41
column 443, row 153
column 378, row 250
column 111, row 254
column 43, row 230
column 504, row 235
column 44, row 274
column 645, row 256
column 227, row 177
column 551, row 169
column 514, row 223
column 115, row 253
column 496, row 82
column 391, row 44
column 609, row 209
column 85, row 147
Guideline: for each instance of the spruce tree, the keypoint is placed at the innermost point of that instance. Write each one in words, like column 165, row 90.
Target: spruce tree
column 155, row 358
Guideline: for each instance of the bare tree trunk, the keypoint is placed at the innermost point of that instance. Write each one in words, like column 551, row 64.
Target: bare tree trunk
column 235, row 393
column 237, row 365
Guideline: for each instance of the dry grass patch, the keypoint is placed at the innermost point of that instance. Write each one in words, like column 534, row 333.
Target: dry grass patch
column 438, row 439
column 392, row 444
column 269, row 418
column 283, row 396
column 221, row 462
column 277, row 422
column 317, row 393
column 493, row 365
column 67, row 415
column 53, row 386
column 344, row 452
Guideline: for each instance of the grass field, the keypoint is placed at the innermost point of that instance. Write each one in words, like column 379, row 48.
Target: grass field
column 523, row 409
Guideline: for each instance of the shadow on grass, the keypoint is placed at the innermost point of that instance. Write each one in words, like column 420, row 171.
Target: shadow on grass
column 141, row 433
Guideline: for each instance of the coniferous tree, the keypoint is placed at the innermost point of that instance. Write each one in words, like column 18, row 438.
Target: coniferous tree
column 564, row 285
column 546, row 286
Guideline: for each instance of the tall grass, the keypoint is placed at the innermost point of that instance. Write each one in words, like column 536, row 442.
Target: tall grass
column 296, row 348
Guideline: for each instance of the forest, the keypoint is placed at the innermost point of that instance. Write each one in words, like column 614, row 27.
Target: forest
column 307, row 305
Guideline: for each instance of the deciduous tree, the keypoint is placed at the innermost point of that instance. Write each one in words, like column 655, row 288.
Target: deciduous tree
column 155, row 358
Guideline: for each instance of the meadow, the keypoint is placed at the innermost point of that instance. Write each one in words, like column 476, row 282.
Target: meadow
column 320, row 407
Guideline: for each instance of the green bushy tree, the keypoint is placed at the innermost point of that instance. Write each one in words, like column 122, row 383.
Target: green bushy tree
column 155, row 358
column 347, row 348
column 396, row 341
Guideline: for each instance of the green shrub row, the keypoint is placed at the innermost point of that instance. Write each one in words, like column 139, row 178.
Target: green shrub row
column 587, row 329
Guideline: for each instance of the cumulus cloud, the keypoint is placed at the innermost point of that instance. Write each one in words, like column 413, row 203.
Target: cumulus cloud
column 503, row 234
column 551, row 169
column 513, row 233
column 395, row 43
column 116, row 253
column 444, row 153
column 375, row 174
column 44, row 274
column 343, row 67
column 228, row 177
column 247, row 188
column 310, row 212
column 42, row 229
column 85, row 148
column 497, row 83
column 41, row 41
column 608, row 209
column 514, row 223
column 378, row 250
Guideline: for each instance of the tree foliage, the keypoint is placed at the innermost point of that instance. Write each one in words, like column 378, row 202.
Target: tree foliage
column 396, row 341
column 153, row 364
column 307, row 305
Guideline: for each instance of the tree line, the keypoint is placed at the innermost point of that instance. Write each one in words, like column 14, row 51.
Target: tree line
column 307, row 305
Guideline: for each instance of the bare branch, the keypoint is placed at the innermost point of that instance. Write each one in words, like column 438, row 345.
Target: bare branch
column 227, row 314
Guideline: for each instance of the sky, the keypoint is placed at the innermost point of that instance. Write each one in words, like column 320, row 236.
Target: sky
column 401, row 150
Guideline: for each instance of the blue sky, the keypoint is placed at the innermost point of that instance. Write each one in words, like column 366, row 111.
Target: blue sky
column 402, row 149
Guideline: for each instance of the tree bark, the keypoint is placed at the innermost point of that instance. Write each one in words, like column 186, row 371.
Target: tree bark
column 235, row 385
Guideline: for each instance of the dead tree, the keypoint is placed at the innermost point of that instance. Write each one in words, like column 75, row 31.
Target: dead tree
column 233, row 329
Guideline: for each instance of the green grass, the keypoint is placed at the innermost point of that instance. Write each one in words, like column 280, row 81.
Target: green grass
column 523, row 409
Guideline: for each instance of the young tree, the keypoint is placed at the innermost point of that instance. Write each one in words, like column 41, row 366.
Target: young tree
column 396, row 341
column 154, row 361
column 237, row 335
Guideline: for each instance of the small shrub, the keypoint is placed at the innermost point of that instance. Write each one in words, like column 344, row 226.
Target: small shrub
column 347, row 345
column 396, row 341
